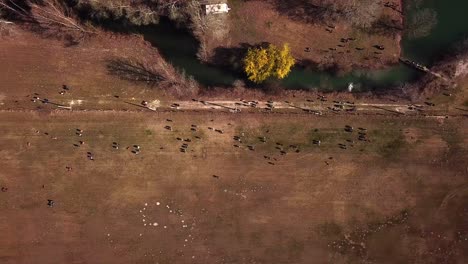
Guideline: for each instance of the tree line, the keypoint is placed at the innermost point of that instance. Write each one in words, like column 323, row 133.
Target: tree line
column 64, row 14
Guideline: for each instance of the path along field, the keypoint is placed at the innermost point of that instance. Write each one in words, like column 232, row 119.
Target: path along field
column 398, row 197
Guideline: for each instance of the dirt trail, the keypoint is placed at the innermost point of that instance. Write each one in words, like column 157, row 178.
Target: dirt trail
column 316, row 107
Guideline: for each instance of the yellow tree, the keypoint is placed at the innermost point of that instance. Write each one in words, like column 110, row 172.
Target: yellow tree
column 283, row 62
column 258, row 64
column 262, row 63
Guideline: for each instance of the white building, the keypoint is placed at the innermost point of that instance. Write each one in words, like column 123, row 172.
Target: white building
column 217, row 9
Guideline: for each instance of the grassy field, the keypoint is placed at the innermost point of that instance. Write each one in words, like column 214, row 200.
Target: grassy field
column 396, row 199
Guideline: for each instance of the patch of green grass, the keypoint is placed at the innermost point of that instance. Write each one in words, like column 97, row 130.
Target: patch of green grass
column 327, row 136
column 441, row 100
column 391, row 148
column 286, row 134
column 387, row 142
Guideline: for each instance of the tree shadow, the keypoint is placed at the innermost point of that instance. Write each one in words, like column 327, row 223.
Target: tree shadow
column 386, row 26
column 231, row 58
column 304, row 10
column 133, row 71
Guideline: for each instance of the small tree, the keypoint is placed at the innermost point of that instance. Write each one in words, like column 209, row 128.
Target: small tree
column 262, row 63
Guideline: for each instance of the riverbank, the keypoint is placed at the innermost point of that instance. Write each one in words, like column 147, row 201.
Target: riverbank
column 84, row 69
column 453, row 83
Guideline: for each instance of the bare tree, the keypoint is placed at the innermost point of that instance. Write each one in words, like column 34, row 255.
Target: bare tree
column 137, row 12
column 11, row 6
column 4, row 24
column 205, row 26
column 2, row 20
column 159, row 73
column 362, row 13
column 55, row 15
column 49, row 14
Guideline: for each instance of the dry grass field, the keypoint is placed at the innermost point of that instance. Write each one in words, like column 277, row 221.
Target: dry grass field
column 399, row 197
column 396, row 196
column 33, row 64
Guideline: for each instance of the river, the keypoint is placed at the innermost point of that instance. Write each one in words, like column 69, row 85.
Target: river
column 179, row 47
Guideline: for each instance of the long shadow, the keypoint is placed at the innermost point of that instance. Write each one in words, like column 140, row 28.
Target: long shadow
column 385, row 26
column 231, row 59
column 133, row 71
column 303, row 10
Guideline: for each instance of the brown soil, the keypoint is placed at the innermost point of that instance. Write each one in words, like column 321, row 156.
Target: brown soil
column 306, row 208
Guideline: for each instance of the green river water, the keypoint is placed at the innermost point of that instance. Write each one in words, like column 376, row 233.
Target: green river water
column 179, row 48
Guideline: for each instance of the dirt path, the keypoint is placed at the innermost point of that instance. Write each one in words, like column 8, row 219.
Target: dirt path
column 317, row 107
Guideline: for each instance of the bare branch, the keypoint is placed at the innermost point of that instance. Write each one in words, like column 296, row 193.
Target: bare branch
column 54, row 14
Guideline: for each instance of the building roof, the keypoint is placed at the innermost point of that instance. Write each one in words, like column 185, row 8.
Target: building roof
column 216, row 8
